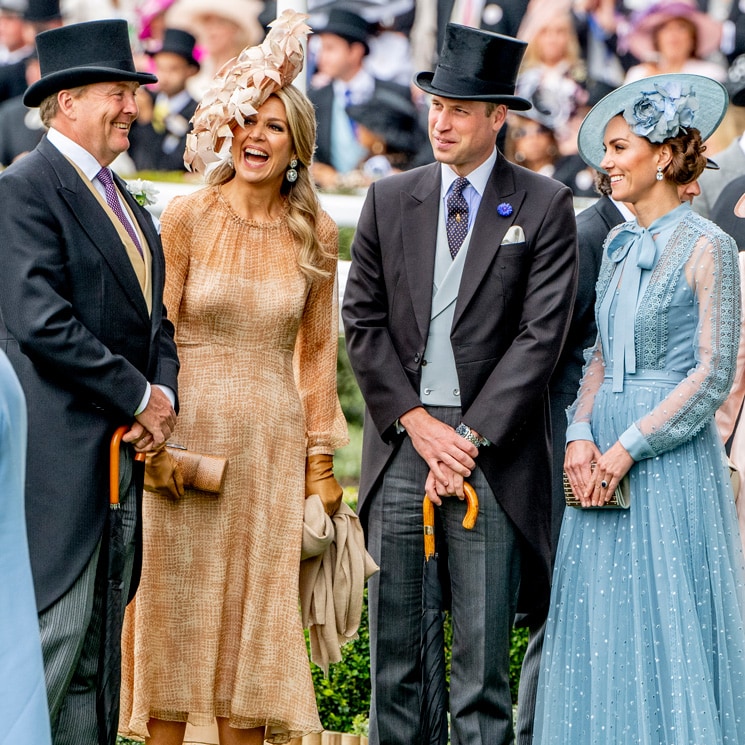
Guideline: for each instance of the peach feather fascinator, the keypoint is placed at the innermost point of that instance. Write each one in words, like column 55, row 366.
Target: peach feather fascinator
column 241, row 86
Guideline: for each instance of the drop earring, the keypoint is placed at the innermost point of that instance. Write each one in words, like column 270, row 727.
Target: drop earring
column 291, row 174
column 659, row 175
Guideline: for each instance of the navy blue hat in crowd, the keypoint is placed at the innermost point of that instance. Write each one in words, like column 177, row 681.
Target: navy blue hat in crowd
column 42, row 11
column 178, row 41
column 348, row 25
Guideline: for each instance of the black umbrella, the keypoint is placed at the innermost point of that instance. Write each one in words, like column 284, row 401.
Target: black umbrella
column 433, row 702
column 114, row 556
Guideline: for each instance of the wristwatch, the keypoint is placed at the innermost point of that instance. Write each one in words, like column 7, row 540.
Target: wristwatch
column 465, row 431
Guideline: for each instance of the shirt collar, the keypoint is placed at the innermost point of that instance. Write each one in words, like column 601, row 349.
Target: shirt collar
column 478, row 178
column 361, row 87
column 175, row 103
column 76, row 153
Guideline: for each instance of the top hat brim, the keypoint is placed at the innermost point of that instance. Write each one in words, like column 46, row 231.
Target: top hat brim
column 712, row 104
column 425, row 80
column 77, row 76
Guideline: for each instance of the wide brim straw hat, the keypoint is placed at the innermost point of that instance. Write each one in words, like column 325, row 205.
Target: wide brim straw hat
column 701, row 104
column 188, row 14
column 640, row 39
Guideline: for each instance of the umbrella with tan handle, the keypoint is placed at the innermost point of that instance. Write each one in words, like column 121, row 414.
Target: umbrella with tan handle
column 433, row 700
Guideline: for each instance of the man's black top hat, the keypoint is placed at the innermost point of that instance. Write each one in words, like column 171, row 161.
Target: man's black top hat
column 180, row 42
column 39, row 11
column 348, row 25
column 476, row 65
column 81, row 54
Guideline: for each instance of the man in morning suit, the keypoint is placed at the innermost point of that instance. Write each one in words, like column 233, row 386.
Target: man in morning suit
column 83, row 323
column 456, row 307
column 158, row 144
column 343, row 48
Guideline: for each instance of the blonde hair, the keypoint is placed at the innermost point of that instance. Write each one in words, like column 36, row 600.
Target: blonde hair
column 573, row 56
column 302, row 198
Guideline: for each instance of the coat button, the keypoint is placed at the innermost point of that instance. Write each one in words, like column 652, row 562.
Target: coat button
column 417, row 357
column 424, row 362
column 427, row 391
column 456, row 391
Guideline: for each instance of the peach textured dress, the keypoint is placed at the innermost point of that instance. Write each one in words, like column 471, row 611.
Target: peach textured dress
column 215, row 628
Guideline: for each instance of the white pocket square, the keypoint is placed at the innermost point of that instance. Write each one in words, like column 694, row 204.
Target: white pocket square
column 514, row 235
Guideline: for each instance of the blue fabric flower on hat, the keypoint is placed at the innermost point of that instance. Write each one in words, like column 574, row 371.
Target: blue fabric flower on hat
column 662, row 113
column 504, row 209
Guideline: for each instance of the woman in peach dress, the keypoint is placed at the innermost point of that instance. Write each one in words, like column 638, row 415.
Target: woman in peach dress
column 215, row 632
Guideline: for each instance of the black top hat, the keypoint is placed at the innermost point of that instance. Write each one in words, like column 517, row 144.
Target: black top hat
column 476, row 65
column 81, row 54
column 42, row 10
column 348, row 25
column 392, row 117
column 180, row 42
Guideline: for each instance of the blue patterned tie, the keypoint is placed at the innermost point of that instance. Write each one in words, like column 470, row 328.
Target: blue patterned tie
column 104, row 176
column 456, row 224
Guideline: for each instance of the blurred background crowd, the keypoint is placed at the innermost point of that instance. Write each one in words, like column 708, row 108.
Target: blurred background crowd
column 371, row 120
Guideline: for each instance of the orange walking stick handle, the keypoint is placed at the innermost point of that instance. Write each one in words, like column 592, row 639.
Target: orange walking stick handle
column 116, row 441
column 428, row 515
column 472, row 512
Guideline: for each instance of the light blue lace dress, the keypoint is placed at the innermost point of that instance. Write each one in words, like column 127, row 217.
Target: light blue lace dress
column 645, row 640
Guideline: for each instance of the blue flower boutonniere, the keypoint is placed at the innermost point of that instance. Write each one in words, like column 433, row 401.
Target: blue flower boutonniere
column 143, row 191
column 504, row 209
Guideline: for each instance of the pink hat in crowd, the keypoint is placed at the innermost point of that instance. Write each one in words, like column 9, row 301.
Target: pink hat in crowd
column 641, row 42
column 148, row 11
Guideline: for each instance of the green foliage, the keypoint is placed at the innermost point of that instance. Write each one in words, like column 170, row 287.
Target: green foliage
column 517, row 652
column 345, row 241
column 346, row 384
column 344, row 696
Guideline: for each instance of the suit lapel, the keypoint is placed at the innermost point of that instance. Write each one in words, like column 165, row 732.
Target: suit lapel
column 419, row 210
column 102, row 233
column 489, row 231
column 157, row 261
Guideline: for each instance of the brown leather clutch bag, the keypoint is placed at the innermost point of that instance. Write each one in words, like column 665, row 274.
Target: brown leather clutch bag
column 620, row 500
column 173, row 467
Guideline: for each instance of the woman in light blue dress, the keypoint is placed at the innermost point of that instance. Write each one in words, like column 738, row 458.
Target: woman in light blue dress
column 24, row 717
column 645, row 638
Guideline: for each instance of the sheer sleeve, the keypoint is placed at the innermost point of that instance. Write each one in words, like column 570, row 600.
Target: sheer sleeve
column 579, row 413
column 712, row 273
column 315, row 357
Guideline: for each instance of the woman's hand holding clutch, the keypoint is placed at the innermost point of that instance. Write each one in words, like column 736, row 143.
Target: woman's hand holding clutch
column 578, row 460
column 319, row 479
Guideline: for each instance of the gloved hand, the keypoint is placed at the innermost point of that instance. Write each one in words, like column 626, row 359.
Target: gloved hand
column 319, row 479
column 163, row 474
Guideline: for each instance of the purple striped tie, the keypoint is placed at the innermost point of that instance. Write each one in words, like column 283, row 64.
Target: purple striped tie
column 104, row 176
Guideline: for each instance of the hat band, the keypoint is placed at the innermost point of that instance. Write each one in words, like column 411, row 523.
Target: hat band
column 448, row 79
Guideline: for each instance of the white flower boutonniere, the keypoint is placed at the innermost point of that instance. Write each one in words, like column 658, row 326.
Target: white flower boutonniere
column 143, row 191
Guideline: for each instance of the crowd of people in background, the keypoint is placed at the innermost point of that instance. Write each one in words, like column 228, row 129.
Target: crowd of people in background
column 372, row 120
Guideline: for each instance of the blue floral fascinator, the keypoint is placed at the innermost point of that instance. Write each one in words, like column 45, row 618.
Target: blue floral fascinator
column 656, row 107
